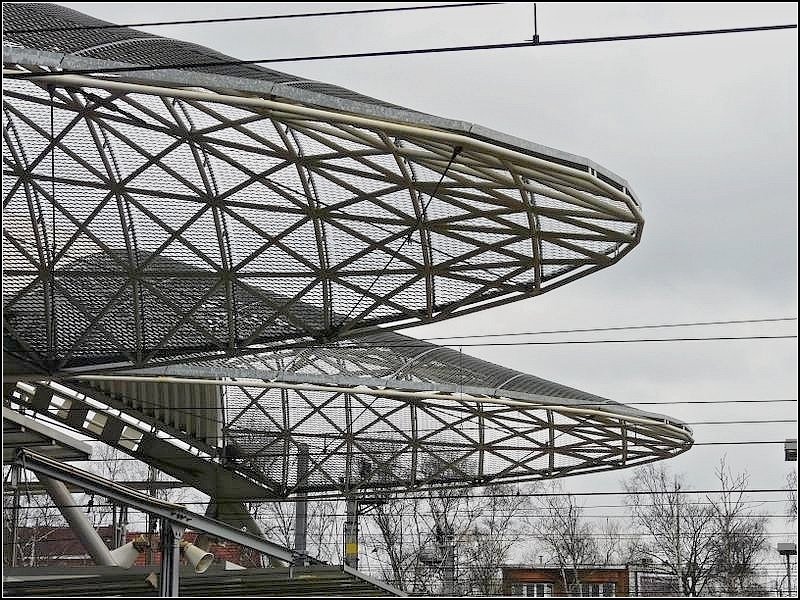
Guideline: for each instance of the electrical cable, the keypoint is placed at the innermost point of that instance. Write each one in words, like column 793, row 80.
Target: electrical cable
column 146, row 403
column 522, row 513
column 41, row 491
column 334, row 13
column 361, row 344
column 231, row 434
column 421, row 430
column 598, row 535
column 474, row 47
column 619, row 328
column 332, row 453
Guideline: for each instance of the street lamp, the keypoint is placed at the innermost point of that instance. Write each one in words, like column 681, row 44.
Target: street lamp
column 788, row 550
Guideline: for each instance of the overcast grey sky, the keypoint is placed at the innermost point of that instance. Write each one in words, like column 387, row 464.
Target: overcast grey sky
column 704, row 129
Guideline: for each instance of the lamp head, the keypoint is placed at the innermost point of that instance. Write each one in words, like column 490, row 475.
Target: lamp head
column 200, row 559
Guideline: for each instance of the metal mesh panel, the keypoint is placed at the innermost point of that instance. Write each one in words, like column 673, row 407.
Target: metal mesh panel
column 462, row 419
column 133, row 46
column 146, row 227
column 456, row 418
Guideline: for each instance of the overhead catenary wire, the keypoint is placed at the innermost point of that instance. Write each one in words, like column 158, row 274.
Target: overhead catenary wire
column 329, row 13
column 595, row 535
column 144, row 404
column 102, row 506
column 398, row 497
column 231, row 435
column 331, row 453
column 361, row 343
column 385, row 53
column 533, row 405
column 328, row 405
column 420, row 495
column 613, row 328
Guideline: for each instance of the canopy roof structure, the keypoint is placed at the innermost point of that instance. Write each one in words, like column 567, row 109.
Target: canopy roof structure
column 294, row 210
column 204, row 265
column 379, row 413
column 204, row 262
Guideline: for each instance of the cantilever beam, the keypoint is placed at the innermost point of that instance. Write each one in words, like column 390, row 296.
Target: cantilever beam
column 175, row 513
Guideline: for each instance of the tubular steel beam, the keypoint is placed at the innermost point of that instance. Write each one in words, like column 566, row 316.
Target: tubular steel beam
column 301, row 505
column 77, row 521
column 174, row 513
column 679, row 432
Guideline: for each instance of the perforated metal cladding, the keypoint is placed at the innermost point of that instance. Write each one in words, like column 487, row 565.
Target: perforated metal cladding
column 184, row 228
column 363, row 439
column 397, row 360
column 143, row 228
column 468, row 420
column 370, row 442
column 137, row 47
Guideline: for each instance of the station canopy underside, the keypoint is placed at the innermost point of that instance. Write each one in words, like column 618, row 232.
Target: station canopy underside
column 203, row 264
column 379, row 413
column 171, row 214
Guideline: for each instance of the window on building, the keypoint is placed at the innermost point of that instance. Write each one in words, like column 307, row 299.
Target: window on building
column 539, row 590
column 597, row 589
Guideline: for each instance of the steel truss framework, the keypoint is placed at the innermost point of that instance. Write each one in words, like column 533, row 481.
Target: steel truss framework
column 229, row 242
column 379, row 413
column 171, row 215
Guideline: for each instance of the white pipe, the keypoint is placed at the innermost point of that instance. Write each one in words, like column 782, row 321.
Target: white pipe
column 324, row 115
column 78, row 522
column 389, row 393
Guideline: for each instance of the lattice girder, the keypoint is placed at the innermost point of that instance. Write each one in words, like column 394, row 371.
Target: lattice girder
column 383, row 412
column 152, row 217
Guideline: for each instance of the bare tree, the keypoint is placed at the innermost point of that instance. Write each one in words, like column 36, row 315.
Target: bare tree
column 451, row 539
column 496, row 530
column 403, row 537
column 680, row 531
column 616, row 544
column 791, row 488
column 277, row 522
column 325, row 530
column 565, row 534
column 740, row 535
column 32, row 525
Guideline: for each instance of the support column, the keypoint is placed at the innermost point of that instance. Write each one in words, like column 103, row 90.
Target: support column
column 301, row 505
column 151, row 520
column 449, row 563
column 15, row 481
column 78, row 522
column 168, row 582
column 351, row 532
column 119, row 524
